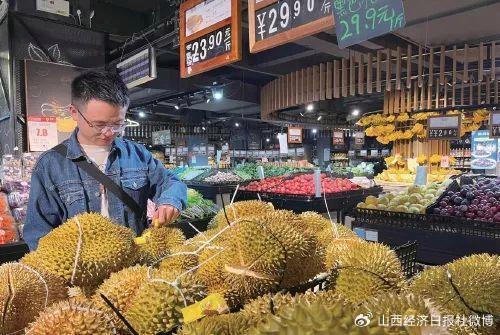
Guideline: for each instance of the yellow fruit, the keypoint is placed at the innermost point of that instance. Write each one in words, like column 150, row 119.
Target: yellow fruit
column 100, row 247
column 72, row 317
column 371, row 200
column 24, row 293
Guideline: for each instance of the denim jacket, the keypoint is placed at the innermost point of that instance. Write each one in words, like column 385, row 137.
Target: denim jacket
column 60, row 190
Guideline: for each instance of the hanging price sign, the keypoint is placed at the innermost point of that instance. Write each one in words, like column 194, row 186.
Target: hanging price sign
column 443, row 127
column 274, row 22
column 495, row 124
column 338, row 138
column 359, row 138
column 359, row 20
column 210, row 35
column 294, row 135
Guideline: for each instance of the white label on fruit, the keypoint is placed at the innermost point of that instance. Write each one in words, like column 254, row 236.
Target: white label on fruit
column 371, row 235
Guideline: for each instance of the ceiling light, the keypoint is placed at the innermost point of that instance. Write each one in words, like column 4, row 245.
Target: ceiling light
column 217, row 93
column 237, row 124
column 315, row 131
column 320, row 117
column 177, row 107
column 142, row 114
column 310, row 107
column 355, row 112
column 268, row 139
column 203, row 128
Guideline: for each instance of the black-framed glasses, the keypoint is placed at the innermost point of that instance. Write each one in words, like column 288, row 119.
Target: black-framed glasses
column 102, row 128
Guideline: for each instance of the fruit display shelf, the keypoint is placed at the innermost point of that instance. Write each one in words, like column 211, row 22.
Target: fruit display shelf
column 340, row 202
column 441, row 238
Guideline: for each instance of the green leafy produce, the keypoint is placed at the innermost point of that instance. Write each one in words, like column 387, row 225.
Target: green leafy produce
column 249, row 170
column 197, row 207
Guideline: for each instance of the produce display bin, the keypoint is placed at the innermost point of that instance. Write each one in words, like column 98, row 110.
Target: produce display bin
column 441, row 239
column 213, row 191
column 13, row 251
column 341, row 202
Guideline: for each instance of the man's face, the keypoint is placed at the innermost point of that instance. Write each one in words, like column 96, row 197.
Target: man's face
column 99, row 114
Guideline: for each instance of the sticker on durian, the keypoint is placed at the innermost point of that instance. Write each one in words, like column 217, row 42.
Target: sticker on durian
column 213, row 304
column 143, row 239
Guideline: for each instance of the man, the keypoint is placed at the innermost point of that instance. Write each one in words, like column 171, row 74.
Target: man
column 60, row 189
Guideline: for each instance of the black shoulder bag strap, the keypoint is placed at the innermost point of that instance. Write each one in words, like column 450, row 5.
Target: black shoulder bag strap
column 107, row 182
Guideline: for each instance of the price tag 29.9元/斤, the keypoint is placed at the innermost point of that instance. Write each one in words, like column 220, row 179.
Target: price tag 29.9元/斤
column 359, row 20
column 443, row 127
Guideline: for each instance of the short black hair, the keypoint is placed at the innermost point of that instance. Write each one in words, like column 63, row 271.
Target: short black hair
column 107, row 87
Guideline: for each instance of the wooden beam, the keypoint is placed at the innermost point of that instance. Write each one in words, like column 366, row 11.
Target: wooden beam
column 442, row 65
column 336, row 79
column 420, row 65
column 493, row 60
column 408, row 66
column 466, row 64
column 430, row 82
column 480, row 71
column 369, row 73
column 344, row 77
column 352, row 75
column 388, row 70
column 398, row 68
column 329, row 80
column 361, row 75
column 379, row 71
column 322, row 81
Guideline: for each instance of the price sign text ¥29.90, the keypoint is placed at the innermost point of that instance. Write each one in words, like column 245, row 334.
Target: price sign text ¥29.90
column 288, row 14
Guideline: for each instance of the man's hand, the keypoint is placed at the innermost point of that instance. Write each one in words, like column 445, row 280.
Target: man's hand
column 164, row 215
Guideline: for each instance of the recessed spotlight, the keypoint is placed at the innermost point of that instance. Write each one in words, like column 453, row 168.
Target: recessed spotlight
column 315, row 131
column 142, row 114
column 203, row 128
column 217, row 94
column 309, row 107
column 268, row 139
column 301, row 114
column 320, row 117
column 355, row 112
column 236, row 124
column 177, row 107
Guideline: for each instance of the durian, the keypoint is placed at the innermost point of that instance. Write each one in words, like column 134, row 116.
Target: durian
column 366, row 270
column 225, row 324
column 24, row 293
column 261, row 254
column 340, row 246
column 406, row 306
column 467, row 286
column 121, row 288
column 240, row 210
column 157, row 243
column 72, row 317
column 158, row 303
column 311, row 319
column 100, row 247
column 182, row 257
column 263, row 306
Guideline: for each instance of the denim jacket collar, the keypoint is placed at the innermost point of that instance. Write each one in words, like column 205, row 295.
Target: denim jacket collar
column 75, row 150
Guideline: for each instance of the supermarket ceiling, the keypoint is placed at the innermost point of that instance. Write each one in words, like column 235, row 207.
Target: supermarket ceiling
column 429, row 22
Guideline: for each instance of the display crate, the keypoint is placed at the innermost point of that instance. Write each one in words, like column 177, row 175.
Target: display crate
column 441, row 239
column 13, row 251
column 200, row 225
column 341, row 202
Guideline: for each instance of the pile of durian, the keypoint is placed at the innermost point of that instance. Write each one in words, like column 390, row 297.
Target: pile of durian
column 251, row 255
